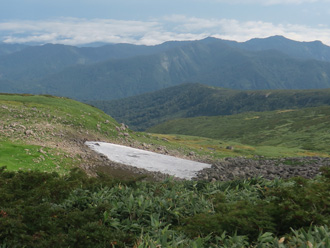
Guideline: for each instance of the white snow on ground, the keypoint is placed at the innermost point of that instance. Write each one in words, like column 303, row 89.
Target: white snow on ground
column 150, row 161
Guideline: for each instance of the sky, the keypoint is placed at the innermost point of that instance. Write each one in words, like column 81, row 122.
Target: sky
column 151, row 22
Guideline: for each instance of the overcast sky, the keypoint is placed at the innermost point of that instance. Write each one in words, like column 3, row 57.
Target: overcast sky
column 150, row 22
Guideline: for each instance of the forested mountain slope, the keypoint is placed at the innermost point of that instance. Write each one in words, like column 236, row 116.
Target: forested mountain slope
column 122, row 70
column 190, row 100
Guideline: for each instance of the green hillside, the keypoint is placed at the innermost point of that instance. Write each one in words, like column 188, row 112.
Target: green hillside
column 306, row 128
column 191, row 100
column 47, row 133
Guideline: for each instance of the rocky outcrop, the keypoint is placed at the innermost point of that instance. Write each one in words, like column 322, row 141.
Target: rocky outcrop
column 243, row 168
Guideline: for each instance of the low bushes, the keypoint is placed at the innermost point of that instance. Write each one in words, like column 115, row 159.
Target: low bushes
column 45, row 209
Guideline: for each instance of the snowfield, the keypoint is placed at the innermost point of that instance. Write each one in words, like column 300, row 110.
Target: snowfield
column 150, row 161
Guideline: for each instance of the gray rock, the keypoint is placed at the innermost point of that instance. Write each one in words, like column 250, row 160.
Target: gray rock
column 29, row 132
column 243, row 168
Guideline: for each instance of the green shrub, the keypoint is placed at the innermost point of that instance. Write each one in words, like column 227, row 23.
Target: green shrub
column 242, row 218
column 45, row 209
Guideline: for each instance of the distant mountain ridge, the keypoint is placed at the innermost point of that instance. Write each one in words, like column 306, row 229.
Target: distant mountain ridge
column 122, row 70
column 303, row 50
column 36, row 62
column 191, row 100
column 6, row 49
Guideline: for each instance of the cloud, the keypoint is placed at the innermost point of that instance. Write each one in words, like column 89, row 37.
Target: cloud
column 241, row 31
column 74, row 31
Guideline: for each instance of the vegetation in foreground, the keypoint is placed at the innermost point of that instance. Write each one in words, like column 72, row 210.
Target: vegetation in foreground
column 40, row 209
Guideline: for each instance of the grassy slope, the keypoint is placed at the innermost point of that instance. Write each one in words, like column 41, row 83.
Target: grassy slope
column 216, row 148
column 40, row 132
column 46, row 133
column 306, row 129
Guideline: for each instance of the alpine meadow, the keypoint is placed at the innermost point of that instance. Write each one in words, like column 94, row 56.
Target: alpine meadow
column 257, row 112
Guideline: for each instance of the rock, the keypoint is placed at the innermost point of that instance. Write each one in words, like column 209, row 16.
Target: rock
column 192, row 153
column 21, row 126
column 123, row 127
column 42, row 151
column 230, row 148
column 243, row 168
column 28, row 132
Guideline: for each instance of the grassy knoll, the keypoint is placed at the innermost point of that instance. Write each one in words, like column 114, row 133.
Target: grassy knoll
column 46, row 133
column 305, row 129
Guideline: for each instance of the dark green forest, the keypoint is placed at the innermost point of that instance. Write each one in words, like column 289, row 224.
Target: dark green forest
column 191, row 100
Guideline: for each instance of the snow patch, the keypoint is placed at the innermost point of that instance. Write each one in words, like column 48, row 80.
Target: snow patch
column 150, row 161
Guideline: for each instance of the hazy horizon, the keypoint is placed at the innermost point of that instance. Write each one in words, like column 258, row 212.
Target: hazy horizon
column 147, row 22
